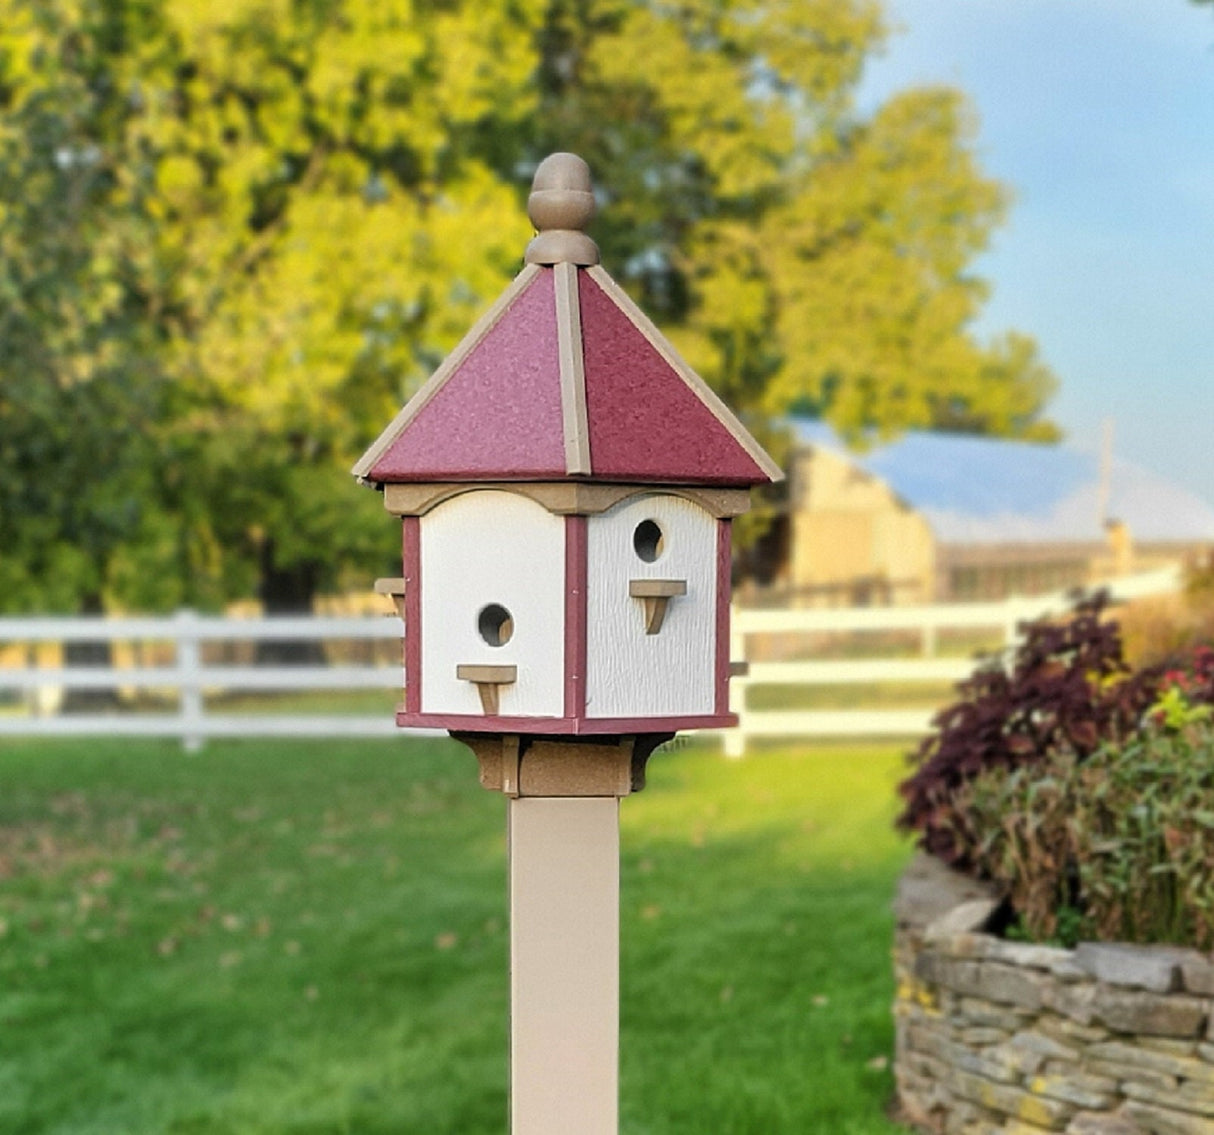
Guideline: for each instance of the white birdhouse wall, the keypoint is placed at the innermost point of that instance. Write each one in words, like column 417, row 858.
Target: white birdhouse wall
column 492, row 595
column 653, row 544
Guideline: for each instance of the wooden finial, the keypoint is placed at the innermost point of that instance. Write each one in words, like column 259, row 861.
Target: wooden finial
column 561, row 205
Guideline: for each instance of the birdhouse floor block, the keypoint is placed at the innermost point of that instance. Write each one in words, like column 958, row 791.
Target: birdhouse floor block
column 562, row 766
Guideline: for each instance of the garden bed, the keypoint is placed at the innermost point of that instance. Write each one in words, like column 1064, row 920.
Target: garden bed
column 996, row 1036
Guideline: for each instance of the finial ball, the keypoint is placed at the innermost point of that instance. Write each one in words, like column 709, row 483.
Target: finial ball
column 561, row 194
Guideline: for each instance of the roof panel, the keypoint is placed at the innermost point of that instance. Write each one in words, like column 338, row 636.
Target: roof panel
column 499, row 408
column 646, row 421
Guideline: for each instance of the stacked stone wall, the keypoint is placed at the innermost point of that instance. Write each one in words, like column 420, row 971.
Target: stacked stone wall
column 1005, row 1038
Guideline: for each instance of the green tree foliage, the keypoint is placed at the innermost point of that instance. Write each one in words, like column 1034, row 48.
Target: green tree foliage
column 81, row 509
column 244, row 231
column 330, row 226
column 806, row 255
column 803, row 256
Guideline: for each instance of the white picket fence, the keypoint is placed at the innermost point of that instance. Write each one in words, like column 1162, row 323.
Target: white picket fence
column 193, row 681
column 928, row 623
column 187, row 683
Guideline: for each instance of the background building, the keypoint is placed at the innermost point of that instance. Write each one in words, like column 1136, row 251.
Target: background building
column 935, row 517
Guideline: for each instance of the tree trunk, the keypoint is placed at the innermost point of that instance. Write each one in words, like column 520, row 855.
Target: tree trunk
column 287, row 591
column 99, row 655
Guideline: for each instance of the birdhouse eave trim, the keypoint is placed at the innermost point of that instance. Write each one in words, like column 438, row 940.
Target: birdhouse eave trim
column 564, row 497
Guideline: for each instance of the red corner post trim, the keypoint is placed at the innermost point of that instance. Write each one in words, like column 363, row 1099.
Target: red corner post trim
column 724, row 585
column 575, row 616
column 412, row 554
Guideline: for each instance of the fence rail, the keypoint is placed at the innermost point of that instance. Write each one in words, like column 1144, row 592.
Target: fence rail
column 194, row 680
column 928, row 622
column 189, row 682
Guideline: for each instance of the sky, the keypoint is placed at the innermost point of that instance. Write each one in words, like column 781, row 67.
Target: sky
column 1098, row 115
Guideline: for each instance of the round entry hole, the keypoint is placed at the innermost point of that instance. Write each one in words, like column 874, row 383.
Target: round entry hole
column 495, row 624
column 648, row 540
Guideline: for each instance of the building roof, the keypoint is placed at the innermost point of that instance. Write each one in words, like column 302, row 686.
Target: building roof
column 979, row 490
column 566, row 378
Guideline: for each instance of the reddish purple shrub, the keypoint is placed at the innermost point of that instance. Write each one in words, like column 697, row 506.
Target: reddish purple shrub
column 1067, row 685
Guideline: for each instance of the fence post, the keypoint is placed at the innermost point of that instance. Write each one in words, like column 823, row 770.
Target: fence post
column 1011, row 634
column 45, row 699
column 735, row 738
column 189, row 679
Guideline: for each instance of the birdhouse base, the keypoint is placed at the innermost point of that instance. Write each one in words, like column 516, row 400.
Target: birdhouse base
column 597, row 730
column 520, row 765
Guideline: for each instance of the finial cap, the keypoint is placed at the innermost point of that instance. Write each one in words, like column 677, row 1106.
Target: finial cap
column 561, row 205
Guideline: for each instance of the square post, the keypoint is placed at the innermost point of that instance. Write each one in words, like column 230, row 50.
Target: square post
column 564, row 965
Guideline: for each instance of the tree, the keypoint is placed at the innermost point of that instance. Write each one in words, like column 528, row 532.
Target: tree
column 328, row 213
column 803, row 257
column 806, row 255
column 297, row 206
column 313, row 223
column 81, row 512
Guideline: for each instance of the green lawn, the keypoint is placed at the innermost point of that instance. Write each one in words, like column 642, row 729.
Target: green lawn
column 310, row 938
column 870, row 696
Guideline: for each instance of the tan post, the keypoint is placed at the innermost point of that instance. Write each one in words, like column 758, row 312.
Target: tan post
column 564, row 847
column 564, row 965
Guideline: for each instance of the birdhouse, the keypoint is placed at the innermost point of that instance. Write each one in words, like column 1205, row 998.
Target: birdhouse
column 566, row 484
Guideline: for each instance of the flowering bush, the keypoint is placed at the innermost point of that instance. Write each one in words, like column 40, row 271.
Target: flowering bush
column 1185, row 696
column 1083, row 787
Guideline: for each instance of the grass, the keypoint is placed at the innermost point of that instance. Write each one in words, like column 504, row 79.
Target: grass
column 287, row 938
column 870, row 696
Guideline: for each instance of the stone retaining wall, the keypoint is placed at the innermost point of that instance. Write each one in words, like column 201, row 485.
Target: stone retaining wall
column 1005, row 1038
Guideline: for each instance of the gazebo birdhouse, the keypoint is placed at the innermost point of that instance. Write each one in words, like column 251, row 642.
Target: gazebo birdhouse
column 567, row 484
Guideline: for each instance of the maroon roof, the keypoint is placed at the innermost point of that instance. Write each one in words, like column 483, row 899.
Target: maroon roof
column 565, row 377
